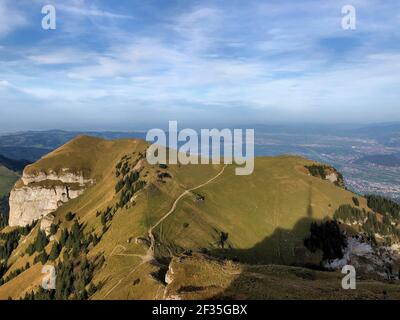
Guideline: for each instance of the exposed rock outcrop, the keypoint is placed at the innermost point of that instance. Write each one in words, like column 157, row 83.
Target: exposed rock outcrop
column 327, row 173
column 35, row 196
column 371, row 260
column 46, row 222
column 66, row 176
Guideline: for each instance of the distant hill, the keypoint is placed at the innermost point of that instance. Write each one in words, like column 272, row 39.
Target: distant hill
column 7, row 180
column 31, row 154
column 10, row 171
column 13, row 165
column 32, row 145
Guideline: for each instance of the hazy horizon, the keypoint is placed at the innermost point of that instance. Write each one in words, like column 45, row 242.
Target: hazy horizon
column 197, row 126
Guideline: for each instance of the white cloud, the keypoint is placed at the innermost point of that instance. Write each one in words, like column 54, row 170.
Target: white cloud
column 207, row 58
column 61, row 56
column 81, row 8
column 4, row 83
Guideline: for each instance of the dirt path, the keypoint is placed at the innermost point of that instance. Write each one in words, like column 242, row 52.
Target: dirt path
column 150, row 232
column 149, row 256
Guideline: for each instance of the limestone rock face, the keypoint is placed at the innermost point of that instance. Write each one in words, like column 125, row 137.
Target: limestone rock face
column 65, row 177
column 42, row 194
column 46, row 222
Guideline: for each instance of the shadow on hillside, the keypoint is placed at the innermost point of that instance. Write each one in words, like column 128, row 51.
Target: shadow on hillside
column 309, row 206
column 282, row 247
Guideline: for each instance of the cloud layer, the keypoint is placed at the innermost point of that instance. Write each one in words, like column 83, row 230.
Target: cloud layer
column 135, row 63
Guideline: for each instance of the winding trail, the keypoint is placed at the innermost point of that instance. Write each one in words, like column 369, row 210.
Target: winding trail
column 150, row 232
column 149, row 256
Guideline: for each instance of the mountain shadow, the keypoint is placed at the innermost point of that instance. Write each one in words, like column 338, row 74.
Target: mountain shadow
column 282, row 247
column 269, row 269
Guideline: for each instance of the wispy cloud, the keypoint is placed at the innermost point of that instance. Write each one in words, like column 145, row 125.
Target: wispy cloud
column 10, row 18
column 84, row 9
column 268, row 60
column 61, row 56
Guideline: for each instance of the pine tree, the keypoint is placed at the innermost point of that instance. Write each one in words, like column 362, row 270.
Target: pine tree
column 53, row 229
column 76, row 230
column 64, row 237
column 43, row 257
column 55, row 252
column 30, row 249
column 41, row 241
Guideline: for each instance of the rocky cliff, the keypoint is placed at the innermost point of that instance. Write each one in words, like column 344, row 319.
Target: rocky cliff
column 39, row 194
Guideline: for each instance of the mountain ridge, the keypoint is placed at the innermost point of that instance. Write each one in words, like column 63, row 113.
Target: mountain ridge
column 258, row 219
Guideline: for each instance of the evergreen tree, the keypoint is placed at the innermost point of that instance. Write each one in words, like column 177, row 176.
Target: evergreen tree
column 30, row 249
column 63, row 238
column 55, row 252
column 42, row 257
column 53, row 229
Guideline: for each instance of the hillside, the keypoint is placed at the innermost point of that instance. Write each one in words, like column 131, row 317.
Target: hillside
column 9, row 172
column 133, row 218
column 7, row 180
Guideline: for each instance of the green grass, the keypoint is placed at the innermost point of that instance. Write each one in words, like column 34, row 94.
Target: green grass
column 267, row 214
column 7, row 180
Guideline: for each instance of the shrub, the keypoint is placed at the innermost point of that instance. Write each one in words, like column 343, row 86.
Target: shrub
column 355, row 201
column 69, row 216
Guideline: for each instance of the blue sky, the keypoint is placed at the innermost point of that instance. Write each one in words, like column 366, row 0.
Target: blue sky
column 134, row 64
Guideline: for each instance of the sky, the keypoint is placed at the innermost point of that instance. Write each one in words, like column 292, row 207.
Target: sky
column 126, row 64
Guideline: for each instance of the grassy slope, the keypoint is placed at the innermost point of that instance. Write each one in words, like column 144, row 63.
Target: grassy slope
column 83, row 153
column 266, row 214
column 7, row 180
column 261, row 212
column 198, row 277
